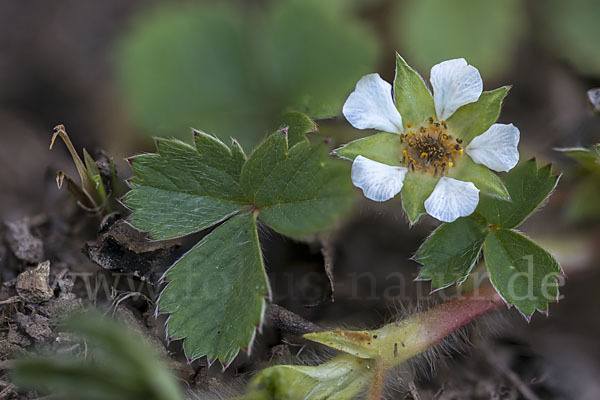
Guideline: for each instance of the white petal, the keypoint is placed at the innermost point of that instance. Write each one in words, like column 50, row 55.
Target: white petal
column 379, row 182
column 452, row 199
column 496, row 148
column 371, row 106
column 454, row 84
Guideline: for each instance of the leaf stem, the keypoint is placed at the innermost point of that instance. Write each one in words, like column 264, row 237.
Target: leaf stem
column 378, row 382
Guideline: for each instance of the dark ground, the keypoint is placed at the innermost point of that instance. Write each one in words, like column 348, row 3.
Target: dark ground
column 54, row 69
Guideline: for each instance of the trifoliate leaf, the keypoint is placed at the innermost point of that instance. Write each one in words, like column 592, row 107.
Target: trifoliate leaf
column 475, row 118
column 485, row 180
column 297, row 190
column 217, row 291
column 297, row 125
column 341, row 378
column 528, row 187
column 451, row 252
column 523, row 273
column 382, row 147
column 413, row 99
column 184, row 189
column 417, row 188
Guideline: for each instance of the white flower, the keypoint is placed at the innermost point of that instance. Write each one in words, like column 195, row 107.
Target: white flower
column 455, row 84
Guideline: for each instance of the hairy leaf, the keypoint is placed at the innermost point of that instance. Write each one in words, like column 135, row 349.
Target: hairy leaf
column 522, row 272
column 451, row 252
column 413, row 99
column 217, row 291
column 528, row 187
column 184, row 189
column 297, row 190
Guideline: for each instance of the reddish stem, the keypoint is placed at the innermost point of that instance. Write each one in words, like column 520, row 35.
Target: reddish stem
column 451, row 315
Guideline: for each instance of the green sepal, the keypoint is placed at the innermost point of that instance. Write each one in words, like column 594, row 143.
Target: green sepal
column 417, row 188
column 382, row 147
column 475, row 118
column 523, row 273
column 451, row 251
column 297, row 190
column 528, row 187
column 216, row 292
column 482, row 177
column 412, row 97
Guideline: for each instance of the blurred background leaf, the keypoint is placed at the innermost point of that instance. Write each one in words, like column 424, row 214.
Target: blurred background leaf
column 120, row 365
column 485, row 32
column 234, row 70
column 571, row 32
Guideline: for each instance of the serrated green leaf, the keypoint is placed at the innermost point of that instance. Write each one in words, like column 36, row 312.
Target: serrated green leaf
column 528, row 187
column 341, row 378
column 298, row 191
column 298, row 125
column 522, row 272
column 413, row 99
column 383, row 147
column 184, row 189
column 483, row 178
column 451, row 252
column 475, row 118
column 417, row 188
column 217, row 291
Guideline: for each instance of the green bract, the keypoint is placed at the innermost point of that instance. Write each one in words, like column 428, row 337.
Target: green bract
column 341, row 378
column 216, row 292
column 522, row 272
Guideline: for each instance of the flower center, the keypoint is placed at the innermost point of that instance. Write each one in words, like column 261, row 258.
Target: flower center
column 430, row 148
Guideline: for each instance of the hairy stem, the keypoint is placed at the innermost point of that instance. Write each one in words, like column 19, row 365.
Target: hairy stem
column 378, row 382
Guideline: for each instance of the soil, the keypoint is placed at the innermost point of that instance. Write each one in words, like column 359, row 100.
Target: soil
column 55, row 258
